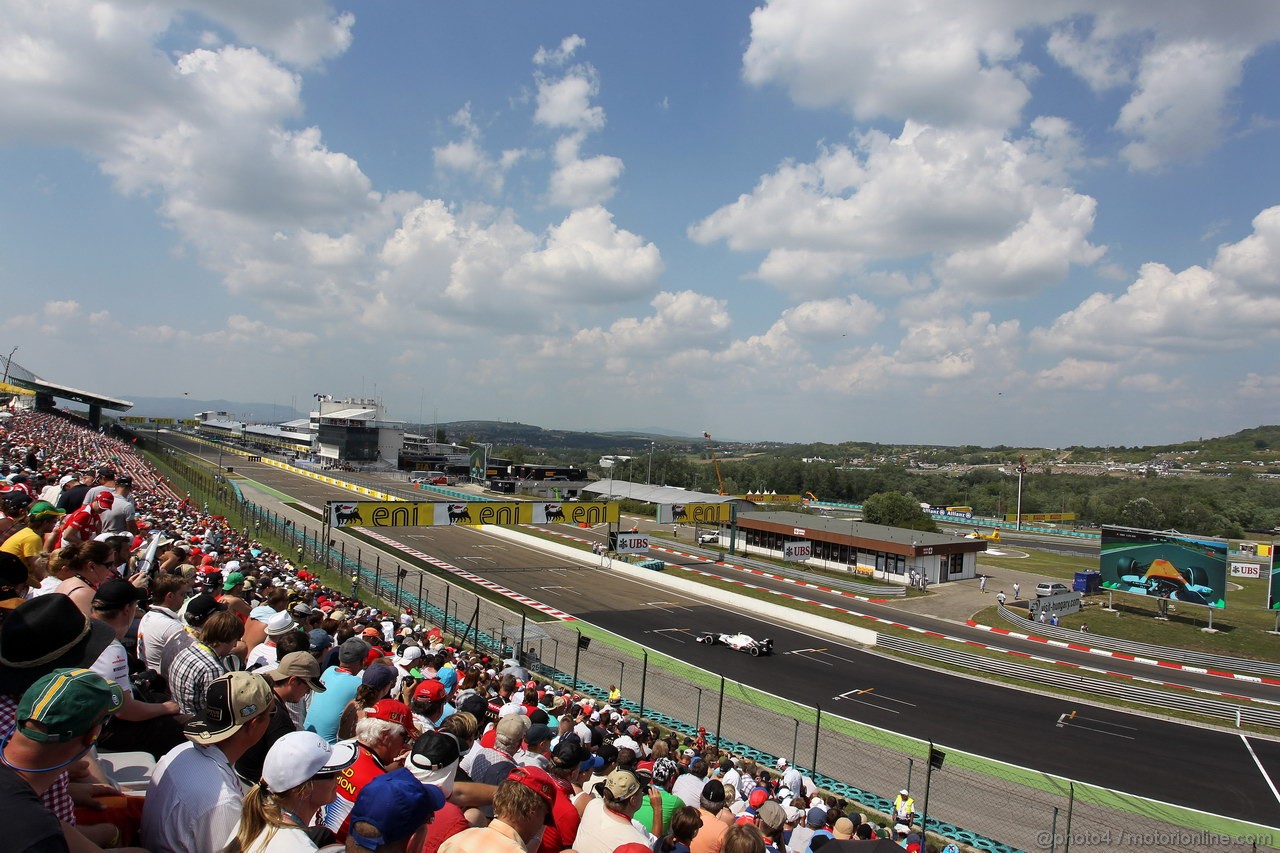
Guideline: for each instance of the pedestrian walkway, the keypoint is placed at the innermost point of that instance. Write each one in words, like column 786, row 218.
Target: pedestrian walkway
column 960, row 600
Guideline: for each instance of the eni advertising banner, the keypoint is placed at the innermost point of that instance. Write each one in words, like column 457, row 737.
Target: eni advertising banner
column 693, row 513
column 440, row 513
column 1163, row 565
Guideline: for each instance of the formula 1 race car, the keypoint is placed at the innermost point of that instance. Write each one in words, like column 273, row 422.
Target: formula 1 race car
column 739, row 642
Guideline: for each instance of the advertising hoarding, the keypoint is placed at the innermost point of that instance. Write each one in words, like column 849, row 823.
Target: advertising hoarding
column 693, row 513
column 431, row 513
column 1179, row 568
column 629, row 543
column 797, row 550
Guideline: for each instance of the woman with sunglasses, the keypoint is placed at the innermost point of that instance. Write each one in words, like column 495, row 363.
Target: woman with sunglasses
column 88, row 566
column 299, row 777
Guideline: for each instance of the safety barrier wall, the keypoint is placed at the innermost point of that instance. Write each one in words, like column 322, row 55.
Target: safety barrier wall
column 1144, row 650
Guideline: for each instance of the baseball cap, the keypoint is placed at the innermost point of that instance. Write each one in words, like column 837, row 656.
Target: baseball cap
column 772, row 816
column 43, row 509
column 67, row 703
column 816, row 818
column 117, row 594
column 300, row 756
column 434, row 760
column 474, row 704
column 233, row 700
column 538, row 734
column 233, row 580
column 757, row 798
column 105, row 500
column 410, row 654
column 843, row 828
column 353, row 651
column 299, row 665
column 429, row 691
column 713, row 791
column 319, row 639
column 569, row 752
column 393, row 711
column 623, row 784
column 202, row 607
column 393, row 805
column 540, row 782
column 378, row 677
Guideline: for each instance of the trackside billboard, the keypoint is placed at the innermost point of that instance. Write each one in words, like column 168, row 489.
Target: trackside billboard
column 1165, row 565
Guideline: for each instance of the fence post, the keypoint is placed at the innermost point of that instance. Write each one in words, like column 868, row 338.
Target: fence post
column 644, row 677
column 520, row 656
column 795, row 741
column 817, row 734
column 421, row 606
column 343, row 568
column 720, row 712
column 1071, row 802
column 444, row 621
column 377, row 582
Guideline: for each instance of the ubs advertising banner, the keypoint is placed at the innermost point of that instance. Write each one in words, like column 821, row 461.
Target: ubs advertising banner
column 431, row 513
column 629, row 543
column 1164, row 565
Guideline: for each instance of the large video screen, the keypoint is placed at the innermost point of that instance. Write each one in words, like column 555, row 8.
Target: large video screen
column 1164, row 565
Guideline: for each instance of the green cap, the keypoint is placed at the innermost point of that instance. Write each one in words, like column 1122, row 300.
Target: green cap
column 67, row 703
column 43, row 509
column 233, row 581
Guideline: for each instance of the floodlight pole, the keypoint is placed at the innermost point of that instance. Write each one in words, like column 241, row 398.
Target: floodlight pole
column 1022, row 469
column 648, row 477
column 8, row 362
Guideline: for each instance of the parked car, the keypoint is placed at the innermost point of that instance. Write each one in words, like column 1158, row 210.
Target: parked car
column 1046, row 588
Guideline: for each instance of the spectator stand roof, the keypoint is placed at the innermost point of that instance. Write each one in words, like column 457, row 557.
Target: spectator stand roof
column 20, row 376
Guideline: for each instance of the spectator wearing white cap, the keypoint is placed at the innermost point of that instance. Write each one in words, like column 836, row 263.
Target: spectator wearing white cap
column 263, row 655
column 299, row 777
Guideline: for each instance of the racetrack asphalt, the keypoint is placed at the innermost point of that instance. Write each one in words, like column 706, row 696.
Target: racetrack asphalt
column 1172, row 762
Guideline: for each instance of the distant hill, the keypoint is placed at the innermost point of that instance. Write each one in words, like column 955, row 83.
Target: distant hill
column 1260, row 443
column 185, row 407
column 537, row 438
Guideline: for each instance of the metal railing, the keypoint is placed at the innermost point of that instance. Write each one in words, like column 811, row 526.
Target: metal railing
column 1146, row 650
column 1257, row 713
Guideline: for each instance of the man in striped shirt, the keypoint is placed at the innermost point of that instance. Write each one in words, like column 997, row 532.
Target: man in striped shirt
column 200, row 664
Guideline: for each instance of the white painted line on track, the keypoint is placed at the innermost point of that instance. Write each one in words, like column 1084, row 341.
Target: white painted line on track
column 1261, row 769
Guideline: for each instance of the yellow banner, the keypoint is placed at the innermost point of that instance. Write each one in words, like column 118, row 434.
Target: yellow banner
column 433, row 513
column 1042, row 516
column 693, row 513
column 770, row 498
column 133, row 419
column 161, row 421
column 6, row 388
column 190, row 422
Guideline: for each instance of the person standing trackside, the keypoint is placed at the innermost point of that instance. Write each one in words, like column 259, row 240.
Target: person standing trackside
column 982, row 584
column 1017, row 590
column 1000, row 598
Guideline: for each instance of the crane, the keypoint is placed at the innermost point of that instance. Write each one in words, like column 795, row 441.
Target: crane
column 715, row 462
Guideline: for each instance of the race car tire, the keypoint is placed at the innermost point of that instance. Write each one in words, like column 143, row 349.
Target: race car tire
column 755, row 651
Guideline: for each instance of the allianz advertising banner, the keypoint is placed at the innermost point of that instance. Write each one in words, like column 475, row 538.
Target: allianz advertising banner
column 693, row 513
column 432, row 513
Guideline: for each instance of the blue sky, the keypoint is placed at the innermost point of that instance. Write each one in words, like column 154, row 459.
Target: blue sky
column 1040, row 224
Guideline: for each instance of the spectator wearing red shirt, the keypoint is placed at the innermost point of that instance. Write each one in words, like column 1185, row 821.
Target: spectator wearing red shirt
column 86, row 522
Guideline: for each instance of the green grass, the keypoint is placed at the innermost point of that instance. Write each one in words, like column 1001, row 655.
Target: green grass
column 1241, row 627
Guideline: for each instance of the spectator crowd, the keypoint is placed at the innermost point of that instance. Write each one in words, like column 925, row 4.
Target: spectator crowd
column 169, row 684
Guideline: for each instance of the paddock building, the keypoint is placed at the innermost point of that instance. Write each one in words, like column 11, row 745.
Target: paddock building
column 871, row 550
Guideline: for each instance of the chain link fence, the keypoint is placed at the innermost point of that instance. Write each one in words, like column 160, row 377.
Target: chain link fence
column 979, row 802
